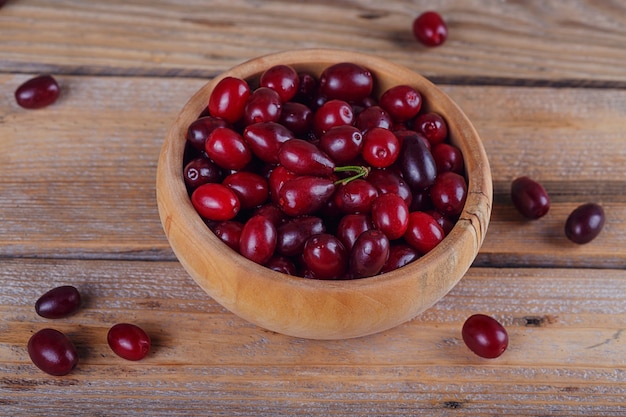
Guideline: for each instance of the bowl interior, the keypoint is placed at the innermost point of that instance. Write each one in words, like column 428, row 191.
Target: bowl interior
column 315, row 308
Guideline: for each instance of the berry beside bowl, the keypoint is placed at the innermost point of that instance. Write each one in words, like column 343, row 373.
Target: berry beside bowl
column 302, row 306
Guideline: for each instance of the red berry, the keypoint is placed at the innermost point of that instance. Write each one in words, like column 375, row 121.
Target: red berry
column 52, row 352
column 402, row 102
column 380, row 147
column 325, row 256
column 215, row 202
column 283, row 79
column 430, row 29
column 529, row 198
column 346, row 81
column 228, row 149
column 258, row 239
column 448, row 193
column 58, row 302
column 584, row 223
column 228, row 99
column 485, row 336
column 369, row 254
column 423, row 232
column 390, row 215
column 129, row 341
column 38, row 92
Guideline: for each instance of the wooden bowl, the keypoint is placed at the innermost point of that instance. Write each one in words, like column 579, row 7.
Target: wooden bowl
column 320, row 309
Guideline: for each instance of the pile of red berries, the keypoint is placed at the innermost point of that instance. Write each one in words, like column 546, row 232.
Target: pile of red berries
column 316, row 177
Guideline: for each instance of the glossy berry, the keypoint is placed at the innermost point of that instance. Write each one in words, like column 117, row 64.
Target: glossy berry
column 529, row 198
column 305, row 195
column 227, row 148
column 52, row 352
column 283, row 79
column 265, row 140
column 448, row 158
column 263, row 105
column 303, row 157
column 485, row 336
column 258, row 239
column 129, row 341
column 215, row 202
column 229, row 232
column 292, row 235
column 402, row 102
column 325, row 256
column 432, row 126
column 430, row 29
column 351, row 226
column 448, row 193
column 372, row 117
column 369, row 254
column 423, row 232
column 201, row 128
column 296, row 117
column 400, row 254
column 330, row 114
column 58, row 302
column 380, row 147
column 346, row 81
column 342, row 143
column 585, row 223
column 228, row 99
column 390, row 214
column 200, row 171
column 356, row 196
column 250, row 188
column 417, row 163
column 38, row 92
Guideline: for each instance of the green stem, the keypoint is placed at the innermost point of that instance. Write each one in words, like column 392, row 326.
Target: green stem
column 359, row 172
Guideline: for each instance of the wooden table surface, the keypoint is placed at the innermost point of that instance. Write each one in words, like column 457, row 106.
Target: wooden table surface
column 545, row 86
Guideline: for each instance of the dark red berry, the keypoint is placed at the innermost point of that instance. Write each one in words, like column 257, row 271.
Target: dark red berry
column 58, row 302
column 325, row 256
column 258, row 239
column 200, row 171
column 215, row 202
column 227, row 148
column 448, row 193
column 585, row 223
column 430, row 29
column 346, row 81
column 38, row 92
column 52, row 352
column 485, row 336
column 129, row 341
column 390, row 215
column 283, row 79
column 402, row 102
column 529, row 198
column 369, row 254
column 423, row 232
column 228, row 99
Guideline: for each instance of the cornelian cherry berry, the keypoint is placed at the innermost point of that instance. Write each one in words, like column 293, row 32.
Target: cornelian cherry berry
column 129, row 341
column 228, row 99
column 430, row 29
column 38, row 92
column 485, row 336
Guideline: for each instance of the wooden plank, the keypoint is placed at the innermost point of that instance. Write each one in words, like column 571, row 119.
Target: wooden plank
column 576, row 42
column 566, row 330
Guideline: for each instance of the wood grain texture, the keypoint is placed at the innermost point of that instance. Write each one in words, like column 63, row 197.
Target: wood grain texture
column 580, row 42
column 206, row 359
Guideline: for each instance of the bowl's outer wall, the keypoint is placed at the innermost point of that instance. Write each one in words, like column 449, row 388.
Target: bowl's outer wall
column 314, row 308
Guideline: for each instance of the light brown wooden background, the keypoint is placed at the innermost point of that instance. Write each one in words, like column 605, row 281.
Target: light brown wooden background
column 544, row 84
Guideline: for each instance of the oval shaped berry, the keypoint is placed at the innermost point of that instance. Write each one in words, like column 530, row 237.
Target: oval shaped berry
column 129, row 341
column 258, row 239
column 58, row 302
column 417, row 163
column 325, row 256
column 52, row 352
column 38, row 92
column 228, row 99
column 369, row 254
column 215, row 202
column 346, row 81
column 430, row 29
column 485, row 336
column 423, row 232
column 529, row 198
column 585, row 223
